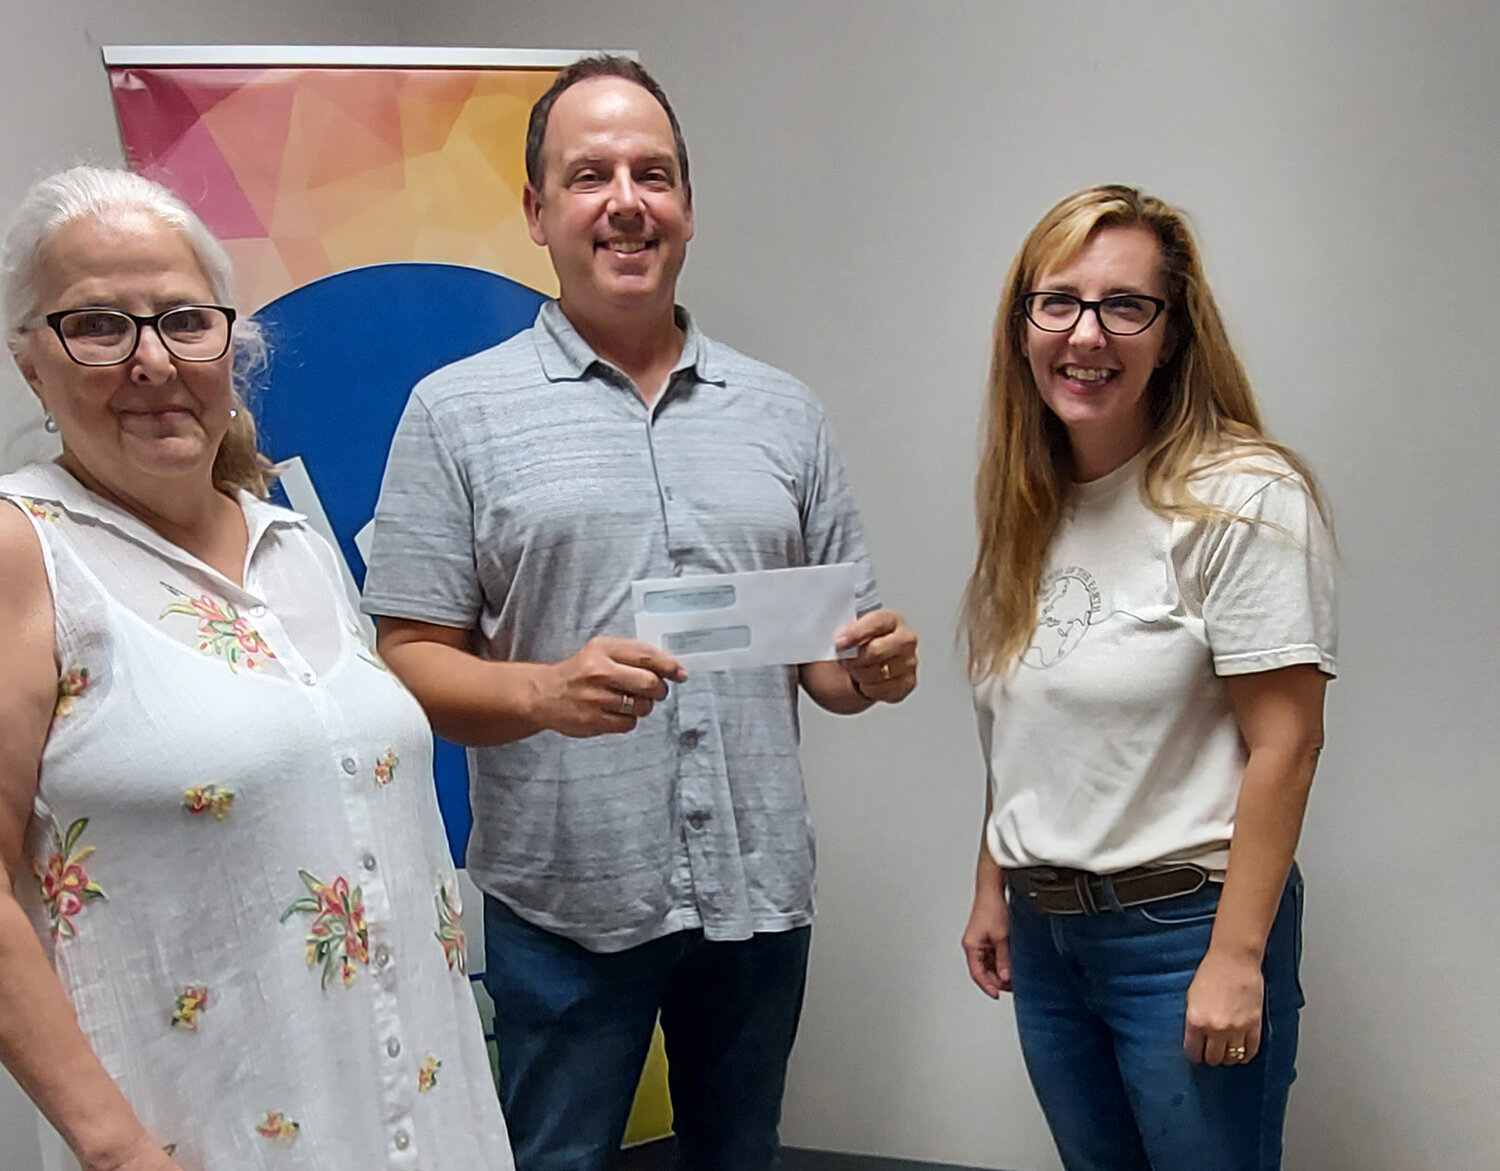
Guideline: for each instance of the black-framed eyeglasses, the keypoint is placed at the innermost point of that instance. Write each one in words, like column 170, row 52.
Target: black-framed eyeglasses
column 107, row 337
column 1123, row 314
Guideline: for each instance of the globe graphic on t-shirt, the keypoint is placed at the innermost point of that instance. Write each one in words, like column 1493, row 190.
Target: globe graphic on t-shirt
column 1067, row 606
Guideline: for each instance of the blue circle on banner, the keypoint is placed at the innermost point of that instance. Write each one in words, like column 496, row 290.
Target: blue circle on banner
column 345, row 352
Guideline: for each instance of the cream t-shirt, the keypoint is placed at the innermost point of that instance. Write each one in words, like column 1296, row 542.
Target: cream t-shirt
column 1112, row 742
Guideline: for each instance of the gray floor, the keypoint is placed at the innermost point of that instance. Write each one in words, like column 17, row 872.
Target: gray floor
column 658, row 1157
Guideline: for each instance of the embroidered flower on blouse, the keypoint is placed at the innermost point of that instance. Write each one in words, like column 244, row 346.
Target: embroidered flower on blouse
column 275, row 1125
column 427, row 1075
column 190, row 1002
column 66, row 886
column 39, row 510
column 222, row 631
column 450, row 932
column 208, row 799
column 72, row 683
column 385, row 767
column 338, row 936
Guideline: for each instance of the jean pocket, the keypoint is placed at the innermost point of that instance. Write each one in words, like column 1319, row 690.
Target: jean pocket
column 1198, row 907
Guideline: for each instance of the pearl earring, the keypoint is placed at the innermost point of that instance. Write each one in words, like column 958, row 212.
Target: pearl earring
column 50, row 424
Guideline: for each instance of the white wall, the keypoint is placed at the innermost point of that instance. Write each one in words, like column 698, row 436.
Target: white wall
column 55, row 109
column 864, row 171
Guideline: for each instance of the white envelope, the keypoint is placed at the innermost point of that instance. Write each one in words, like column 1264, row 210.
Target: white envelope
column 717, row 621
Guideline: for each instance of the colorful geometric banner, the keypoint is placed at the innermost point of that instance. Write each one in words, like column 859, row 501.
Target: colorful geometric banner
column 307, row 172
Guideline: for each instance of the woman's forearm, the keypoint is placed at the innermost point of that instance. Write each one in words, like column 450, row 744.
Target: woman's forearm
column 1268, row 821
column 46, row 1052
column 1280, row 714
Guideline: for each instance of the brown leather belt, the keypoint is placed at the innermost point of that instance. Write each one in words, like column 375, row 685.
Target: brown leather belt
column 1058, row 890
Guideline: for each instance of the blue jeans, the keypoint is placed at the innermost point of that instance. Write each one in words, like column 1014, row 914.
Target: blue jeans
column 1101, row 1003
column 573, row 1027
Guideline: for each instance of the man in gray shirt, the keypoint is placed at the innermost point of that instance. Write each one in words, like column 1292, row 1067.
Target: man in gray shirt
column 641, row 833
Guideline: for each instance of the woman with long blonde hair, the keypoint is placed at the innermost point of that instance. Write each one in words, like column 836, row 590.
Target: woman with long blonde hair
column 1150, row 625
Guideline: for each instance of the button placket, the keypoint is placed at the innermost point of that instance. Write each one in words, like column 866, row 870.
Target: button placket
column 397, row 1081
column 348, row 757
column 253, row 598
column 696, row 773
column 296, row 667
column 717, row 871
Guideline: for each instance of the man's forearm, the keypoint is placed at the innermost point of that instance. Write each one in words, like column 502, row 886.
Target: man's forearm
column 469, row 700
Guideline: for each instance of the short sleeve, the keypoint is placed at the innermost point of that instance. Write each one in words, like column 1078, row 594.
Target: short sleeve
column 1268, row 583
column 422, row 563
column 832, row 531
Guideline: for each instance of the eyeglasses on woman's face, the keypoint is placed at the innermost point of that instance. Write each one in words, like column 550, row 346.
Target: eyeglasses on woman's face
column 109, row 337
column 1123, row 314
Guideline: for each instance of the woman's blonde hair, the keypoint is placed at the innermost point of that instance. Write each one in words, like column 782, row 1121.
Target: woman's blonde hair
column 1203, row 413
column 101, row 193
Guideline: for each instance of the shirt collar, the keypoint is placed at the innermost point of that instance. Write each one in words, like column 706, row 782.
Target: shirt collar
column 566, row 357
column 53, row 484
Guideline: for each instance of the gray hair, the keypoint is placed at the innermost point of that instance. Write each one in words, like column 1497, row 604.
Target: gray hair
column 103, row 194
column 97, row 192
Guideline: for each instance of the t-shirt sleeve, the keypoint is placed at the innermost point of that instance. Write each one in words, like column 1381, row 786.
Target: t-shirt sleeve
column 832, row 532
column 422, row 563
column 1268, row 584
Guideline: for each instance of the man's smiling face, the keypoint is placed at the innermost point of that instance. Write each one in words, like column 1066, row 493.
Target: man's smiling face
column 612, row 211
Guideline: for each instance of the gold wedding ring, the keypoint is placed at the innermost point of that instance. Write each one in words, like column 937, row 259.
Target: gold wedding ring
column 627, row 705
column 885, row 672
column 1235, row 1052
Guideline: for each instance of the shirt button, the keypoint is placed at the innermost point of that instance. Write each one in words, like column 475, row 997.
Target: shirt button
column 382, row 956
column 257, row 611
column 689, row 738
column 697, row 820
column 309, row 678
column 349, row 764
column 393, row 1048
column 403, row 1140
column 368, row 861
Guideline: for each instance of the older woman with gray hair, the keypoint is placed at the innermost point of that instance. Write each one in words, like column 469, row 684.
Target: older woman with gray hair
column 229, row 927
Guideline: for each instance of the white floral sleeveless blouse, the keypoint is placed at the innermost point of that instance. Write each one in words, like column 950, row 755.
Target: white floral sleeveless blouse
column 239, row 866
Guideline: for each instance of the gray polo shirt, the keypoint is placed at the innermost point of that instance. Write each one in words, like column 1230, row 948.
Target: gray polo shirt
column 527, row 487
